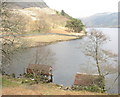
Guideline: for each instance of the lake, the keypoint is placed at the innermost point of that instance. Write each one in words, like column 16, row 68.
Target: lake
column 67, row 59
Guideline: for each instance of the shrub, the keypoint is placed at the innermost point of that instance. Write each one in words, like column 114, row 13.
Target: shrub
column 75, row 25
column 37, row 78
column 93, row 88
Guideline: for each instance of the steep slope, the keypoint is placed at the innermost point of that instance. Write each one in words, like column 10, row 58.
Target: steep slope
column 39, row 17
column 101, row 20
column 44, row 15
column 36, row 3
column 38, row 11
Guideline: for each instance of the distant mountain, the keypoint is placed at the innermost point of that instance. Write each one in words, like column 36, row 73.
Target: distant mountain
column 101, row 20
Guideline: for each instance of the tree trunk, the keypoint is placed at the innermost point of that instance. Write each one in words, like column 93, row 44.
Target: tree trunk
column 98, row 67
column 97, row 62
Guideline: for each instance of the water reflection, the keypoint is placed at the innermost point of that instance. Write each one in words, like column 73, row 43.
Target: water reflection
column 66, row 58
column 20, row 61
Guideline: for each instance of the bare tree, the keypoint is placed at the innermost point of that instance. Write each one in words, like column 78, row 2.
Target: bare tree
column 12, row 26
column 44, row 56
column 41, row 25
column 93, row 48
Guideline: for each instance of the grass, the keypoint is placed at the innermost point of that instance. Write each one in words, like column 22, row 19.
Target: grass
column 9, row 82
column 12, row 86
column 36, row 40
column 39, row 39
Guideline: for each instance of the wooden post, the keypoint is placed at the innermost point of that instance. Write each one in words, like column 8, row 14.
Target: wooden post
column 51, row 79
column 51, row 75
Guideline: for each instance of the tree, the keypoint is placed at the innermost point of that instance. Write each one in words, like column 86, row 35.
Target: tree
column 44, row 56
column 75, row 25
column 103, row 59
column 11, row 28
column 41, row 26
column 63, row 13
column 11, row 20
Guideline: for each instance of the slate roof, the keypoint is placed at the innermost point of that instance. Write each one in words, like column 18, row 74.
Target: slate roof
column 86, row 80
column 38, row 68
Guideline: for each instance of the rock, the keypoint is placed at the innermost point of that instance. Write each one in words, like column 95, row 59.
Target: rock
column 32, row 79
column 67, row 88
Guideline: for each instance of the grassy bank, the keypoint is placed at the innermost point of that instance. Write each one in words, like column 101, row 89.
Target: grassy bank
column 13, row 86
column 47, row 39
column 36, row 40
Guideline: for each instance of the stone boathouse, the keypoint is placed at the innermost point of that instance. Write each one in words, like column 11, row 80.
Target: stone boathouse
column 87, row 80
column 39, row 69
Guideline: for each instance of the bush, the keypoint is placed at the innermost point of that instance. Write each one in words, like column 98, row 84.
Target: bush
column 13, row 75
column 75, row 25
column 28, row 75
column 93, row 88
column 37, row 78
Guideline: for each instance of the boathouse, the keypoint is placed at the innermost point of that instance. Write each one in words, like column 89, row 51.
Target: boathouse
column 39, row 69
column 87, row 80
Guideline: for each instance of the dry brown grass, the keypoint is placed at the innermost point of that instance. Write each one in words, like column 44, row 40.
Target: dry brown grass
column 63, row 30
column 43, row 89
column 48, row 38
column 39, row 39
column 13, row 86
column 47, row 15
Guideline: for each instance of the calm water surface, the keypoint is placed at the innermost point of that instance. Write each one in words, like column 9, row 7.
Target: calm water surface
column 68, row 60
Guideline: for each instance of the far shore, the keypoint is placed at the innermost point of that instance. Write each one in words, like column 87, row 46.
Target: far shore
column 36, row 39
column 55, row 36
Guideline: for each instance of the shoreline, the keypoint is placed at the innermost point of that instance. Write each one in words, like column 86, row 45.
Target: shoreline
column 43, row 40
column 50, row 43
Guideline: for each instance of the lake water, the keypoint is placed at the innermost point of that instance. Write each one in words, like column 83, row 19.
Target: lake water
column 67, row 61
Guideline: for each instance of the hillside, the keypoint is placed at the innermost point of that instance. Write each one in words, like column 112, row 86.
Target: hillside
column 37, row 15
column 32, row 18
column 35, row 3
column 101, row 20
